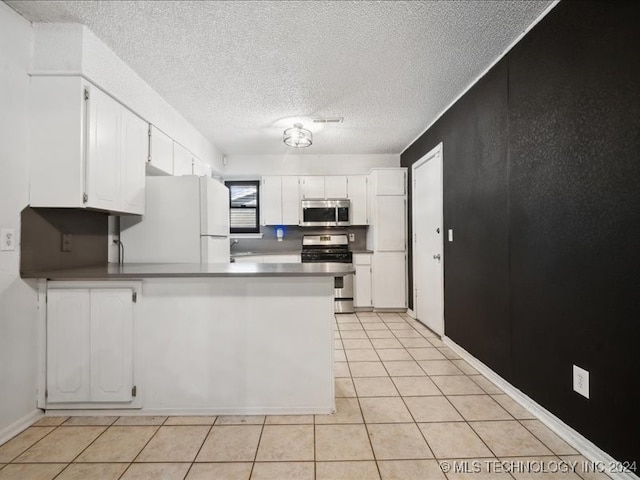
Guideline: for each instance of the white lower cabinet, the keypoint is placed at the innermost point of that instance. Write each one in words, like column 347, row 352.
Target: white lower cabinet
column 90, row 347
column 362, row 297
column 389, row 284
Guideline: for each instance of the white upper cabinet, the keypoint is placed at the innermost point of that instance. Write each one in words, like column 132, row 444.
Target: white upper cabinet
column 201, row 168
column 318, row 186
column 271, row 200
column 103, row 175
column 335, row 187
column 134, row 146
column 160, row 160
column 312, row 187
column 182, row 160
column 280, row 196
column 392, row 181
column 290, row 201
column 279, row 200
column 88, row 150
column 357, row 193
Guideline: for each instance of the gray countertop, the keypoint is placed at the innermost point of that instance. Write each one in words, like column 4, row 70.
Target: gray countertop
column 183, row 270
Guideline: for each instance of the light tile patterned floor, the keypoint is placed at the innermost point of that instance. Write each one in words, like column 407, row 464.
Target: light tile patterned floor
column 408, row 408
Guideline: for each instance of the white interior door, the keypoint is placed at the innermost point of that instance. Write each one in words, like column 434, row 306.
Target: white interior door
column 428, row 288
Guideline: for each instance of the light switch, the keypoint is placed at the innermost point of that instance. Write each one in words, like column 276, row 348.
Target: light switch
column 8, row 236
column 451, row 234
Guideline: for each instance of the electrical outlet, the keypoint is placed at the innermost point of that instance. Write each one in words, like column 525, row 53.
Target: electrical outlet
column 352, row 237
column 581, row 381
column 66, row 242
column 8, row 236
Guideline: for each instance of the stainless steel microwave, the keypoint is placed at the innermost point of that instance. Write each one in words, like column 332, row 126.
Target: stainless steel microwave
column 325, row 213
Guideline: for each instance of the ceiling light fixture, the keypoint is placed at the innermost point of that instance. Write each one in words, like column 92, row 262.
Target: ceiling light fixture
column 297, row 137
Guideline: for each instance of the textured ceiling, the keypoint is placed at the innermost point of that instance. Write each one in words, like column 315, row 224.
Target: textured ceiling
column 242, row 71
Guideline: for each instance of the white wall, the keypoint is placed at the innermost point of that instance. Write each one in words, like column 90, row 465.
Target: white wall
column 253, row 166
column 73, row 48
column 18, row 308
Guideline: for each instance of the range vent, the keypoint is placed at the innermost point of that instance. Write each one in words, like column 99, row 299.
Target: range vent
column 328, row 120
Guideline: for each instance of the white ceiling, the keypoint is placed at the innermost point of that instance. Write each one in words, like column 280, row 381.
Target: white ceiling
column 242, row 71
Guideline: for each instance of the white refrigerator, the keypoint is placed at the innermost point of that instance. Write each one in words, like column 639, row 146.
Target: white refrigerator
column 186, row 220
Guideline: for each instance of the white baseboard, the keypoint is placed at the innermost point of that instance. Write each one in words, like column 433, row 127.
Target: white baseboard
column 163, row 412
column 18, row 426
column 585, row 446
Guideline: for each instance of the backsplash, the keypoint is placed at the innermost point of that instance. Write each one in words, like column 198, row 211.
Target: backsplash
column 56, row 238
column 292, row 240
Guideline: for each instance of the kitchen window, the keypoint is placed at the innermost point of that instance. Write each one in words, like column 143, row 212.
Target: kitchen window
column 244, row 206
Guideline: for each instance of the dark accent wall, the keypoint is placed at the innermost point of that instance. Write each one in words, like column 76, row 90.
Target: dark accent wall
column 41, row 239
column 542, row 188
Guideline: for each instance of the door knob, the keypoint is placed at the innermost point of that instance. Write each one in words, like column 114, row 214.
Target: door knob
column 436, row 257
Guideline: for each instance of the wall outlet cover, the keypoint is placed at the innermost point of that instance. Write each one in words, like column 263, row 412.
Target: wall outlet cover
column 8, row 236
column 581, row 381
column 352, row 237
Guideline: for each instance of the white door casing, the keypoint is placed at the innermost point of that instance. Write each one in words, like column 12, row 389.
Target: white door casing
column 428, row 252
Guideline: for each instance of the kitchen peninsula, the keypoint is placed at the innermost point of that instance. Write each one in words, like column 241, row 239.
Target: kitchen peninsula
column 190, row 339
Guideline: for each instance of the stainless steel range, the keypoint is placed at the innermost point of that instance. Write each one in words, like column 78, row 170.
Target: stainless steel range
column 332, row 249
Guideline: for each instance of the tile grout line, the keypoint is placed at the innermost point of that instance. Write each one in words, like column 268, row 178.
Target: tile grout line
column 255, row 455
column 204, row 440
column 85, row 448
column 55, row 427
column 366, row 428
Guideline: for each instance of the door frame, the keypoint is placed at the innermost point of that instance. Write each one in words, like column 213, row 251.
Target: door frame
column 438, row 150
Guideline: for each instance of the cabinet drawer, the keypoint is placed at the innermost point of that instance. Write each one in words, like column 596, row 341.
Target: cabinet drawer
column 362, row 259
